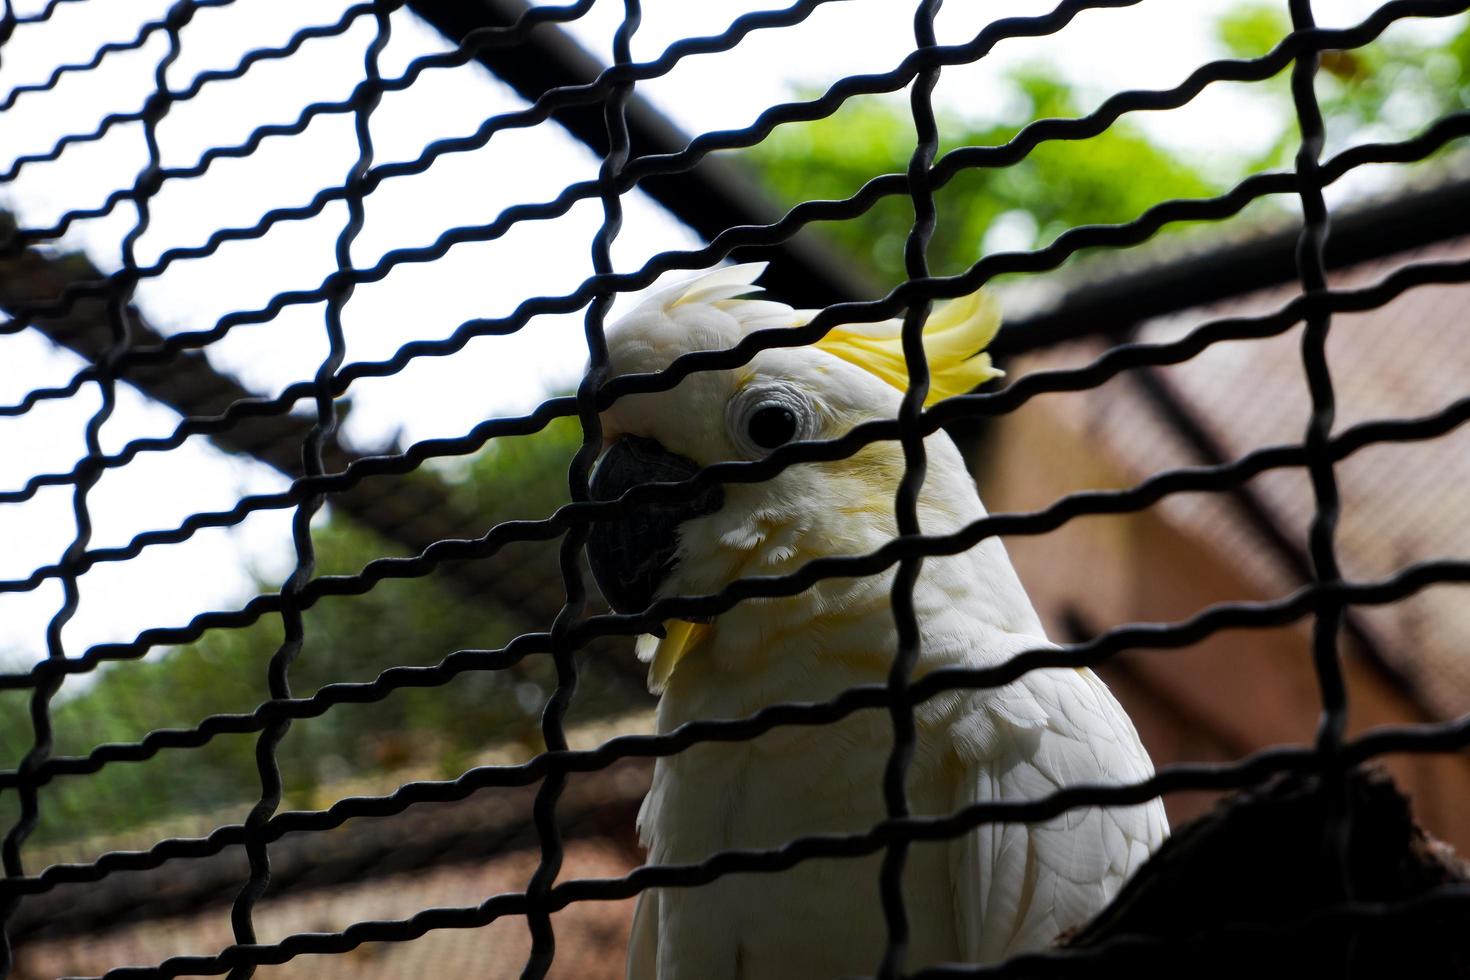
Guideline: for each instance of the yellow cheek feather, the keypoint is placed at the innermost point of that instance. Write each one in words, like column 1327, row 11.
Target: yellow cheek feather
column 955, row 337
column 663, row 654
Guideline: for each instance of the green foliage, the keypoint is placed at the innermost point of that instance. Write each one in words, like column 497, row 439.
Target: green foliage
column 1252, row 29
column 404, row 622
column 1110, row 178
column 521, row 477
column 1388, row 90
column 1396, row 87
column 415, row 622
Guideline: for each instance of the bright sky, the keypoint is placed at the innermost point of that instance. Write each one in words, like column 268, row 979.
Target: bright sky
column 1154, row 44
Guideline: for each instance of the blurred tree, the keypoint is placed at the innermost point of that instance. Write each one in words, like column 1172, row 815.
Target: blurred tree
column 400, row 622
column 1387, row 90
column 1110, row 178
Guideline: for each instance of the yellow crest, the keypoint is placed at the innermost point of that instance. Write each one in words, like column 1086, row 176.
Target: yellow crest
column 955, row 337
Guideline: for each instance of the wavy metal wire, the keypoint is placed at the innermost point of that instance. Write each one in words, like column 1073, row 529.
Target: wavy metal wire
column 562, row 646
column 1219, row 208
column 906, row 498
column 1322, row 546
column 1323, row 599
column 660, row 164
column 278, row 671
column 119, row 322
column 1052, row 256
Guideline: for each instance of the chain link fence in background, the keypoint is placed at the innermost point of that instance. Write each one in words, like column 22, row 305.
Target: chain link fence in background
column 322, row 702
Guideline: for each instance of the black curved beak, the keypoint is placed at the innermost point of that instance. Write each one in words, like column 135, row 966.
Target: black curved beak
column 633, row 554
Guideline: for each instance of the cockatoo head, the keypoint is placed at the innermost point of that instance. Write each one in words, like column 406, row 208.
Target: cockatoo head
column 854, row 374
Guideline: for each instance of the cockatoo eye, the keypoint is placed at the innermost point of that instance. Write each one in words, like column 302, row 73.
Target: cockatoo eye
column 762, row 419
column 771, row 425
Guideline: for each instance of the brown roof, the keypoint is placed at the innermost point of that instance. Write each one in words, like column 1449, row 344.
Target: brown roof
column 391, row 867
column 1402, row 502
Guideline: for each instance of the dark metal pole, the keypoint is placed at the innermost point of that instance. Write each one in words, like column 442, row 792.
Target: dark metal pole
column 1115, row 304
column 715, row 195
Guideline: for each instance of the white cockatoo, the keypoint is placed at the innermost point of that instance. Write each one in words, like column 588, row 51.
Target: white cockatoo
column 996, row 891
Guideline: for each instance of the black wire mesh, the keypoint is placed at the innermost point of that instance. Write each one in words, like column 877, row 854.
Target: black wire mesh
column 1324, row 601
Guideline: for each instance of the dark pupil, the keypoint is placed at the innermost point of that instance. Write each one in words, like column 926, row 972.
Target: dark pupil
column 771, row 426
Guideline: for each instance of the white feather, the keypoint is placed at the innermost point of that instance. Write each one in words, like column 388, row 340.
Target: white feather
column 1019, row 886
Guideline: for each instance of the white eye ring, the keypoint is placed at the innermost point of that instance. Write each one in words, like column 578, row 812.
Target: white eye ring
column 764, row 418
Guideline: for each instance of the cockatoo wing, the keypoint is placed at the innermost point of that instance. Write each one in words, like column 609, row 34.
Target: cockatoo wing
column 1019, row 886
